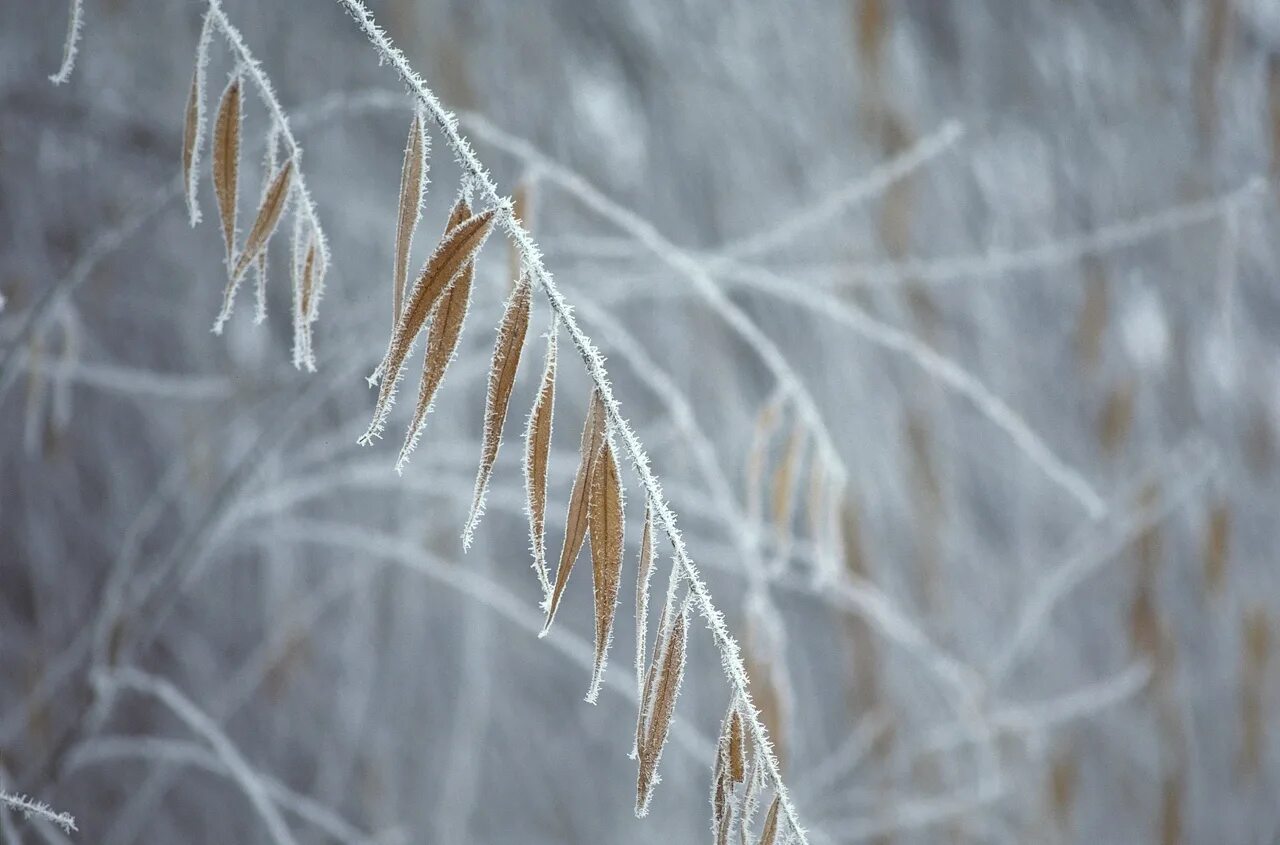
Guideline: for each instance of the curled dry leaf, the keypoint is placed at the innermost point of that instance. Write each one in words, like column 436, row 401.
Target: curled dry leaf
column 413, row 187
column 606, row 521
column 226, row 161
column 668, row 672
column 502, row 378
column 537, row 454
column 722, row 803
column 264, row 225
column 575, row 531
column 644, row 574
column 442, row 340
column 730, row 770
column 737, row 747
column 455, row 251
column 769, row 835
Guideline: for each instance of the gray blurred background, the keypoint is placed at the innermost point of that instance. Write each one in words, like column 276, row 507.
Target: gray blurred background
column 950, row 327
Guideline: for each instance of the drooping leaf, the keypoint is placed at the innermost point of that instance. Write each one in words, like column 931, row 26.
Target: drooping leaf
column 226, row 162
column 455, row 251
column 606, row 522
column 593, row 434
column 537, row 454
column 502, row 378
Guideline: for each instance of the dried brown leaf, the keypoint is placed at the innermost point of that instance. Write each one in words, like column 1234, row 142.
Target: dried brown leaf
column 226, row 162
column 502, row 378
column 575, row 532
column 644, row 574
column 442, row 341
column 537, row 454
column 307, row 296
column 606, row 522
column 737, row 747
column 264, row 225
column 769, row 835
column 669, row 672
column 722, row 803
column 454, row 253
column 413, row 185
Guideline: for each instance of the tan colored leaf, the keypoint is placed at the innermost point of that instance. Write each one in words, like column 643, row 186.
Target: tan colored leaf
column 442, row 341
column 226, row 162
column 770, row 833
column 537, row 453
column 737, row 745
column 721, row 803
column 413, row 184
column 606, row 522
column 643, row 575
column 308, row 283
column 669, row 672
column 455, row 251
column 502, row 377
column 575, row 532
column 192, row 129
column 264, row 225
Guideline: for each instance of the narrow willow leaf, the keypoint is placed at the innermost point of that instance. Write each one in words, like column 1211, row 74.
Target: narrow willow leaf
column 226, row 162
column 644, row 574
column 274, row 200
column 769, row 835
column 537, row 454
column 193, row 129
column 442, row 342
column 455, row 251
column 502, row 377
column 645, row 710
column 606, row 522
column 669, row 674
column 736, row 747
column 264, row 225
column 721, row 802
column 306, row 289
column 575, row 531
column 413, row 187
column 723, row 799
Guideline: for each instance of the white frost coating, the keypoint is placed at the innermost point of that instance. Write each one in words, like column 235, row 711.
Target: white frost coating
column 38, row 809
column 730, row 655
column 75, row 23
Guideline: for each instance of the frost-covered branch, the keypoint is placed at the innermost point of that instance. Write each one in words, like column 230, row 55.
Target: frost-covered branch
column 32, row 809
column 730, row 652
column 75, row 23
